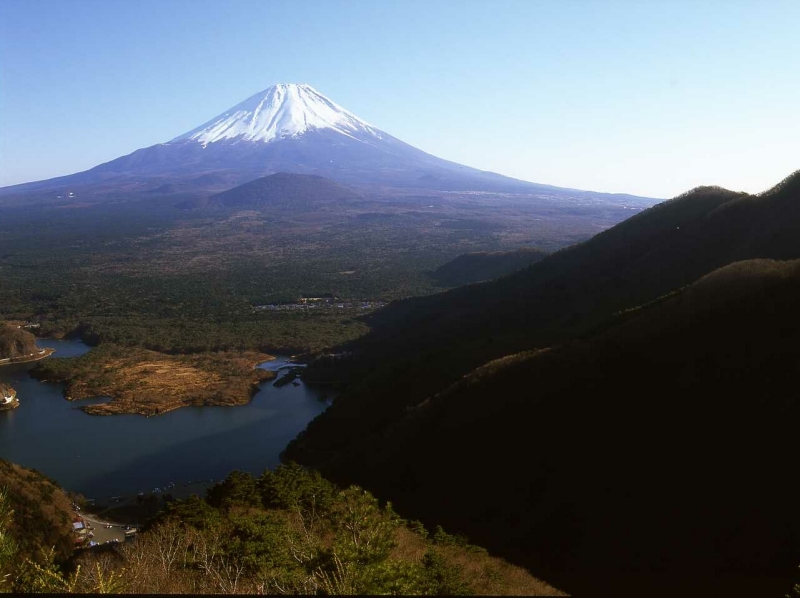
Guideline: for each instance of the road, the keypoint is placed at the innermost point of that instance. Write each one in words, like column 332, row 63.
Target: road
column 103, row 534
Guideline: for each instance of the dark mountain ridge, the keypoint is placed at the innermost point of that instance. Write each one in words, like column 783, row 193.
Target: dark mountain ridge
column 651, row 254
column 704, row 364
column 653, row 457
column 442, row 337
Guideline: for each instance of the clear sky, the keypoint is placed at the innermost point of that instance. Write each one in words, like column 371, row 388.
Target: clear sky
column 648, row 97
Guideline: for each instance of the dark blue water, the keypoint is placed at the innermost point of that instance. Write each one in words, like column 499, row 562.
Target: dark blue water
column 124, row 454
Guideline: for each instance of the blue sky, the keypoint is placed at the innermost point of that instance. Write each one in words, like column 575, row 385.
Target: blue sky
column 647, row 97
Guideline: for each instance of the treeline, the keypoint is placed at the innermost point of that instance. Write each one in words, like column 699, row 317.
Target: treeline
column 276, row 332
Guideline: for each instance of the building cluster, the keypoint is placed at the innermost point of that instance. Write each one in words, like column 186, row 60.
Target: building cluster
column 82, row 532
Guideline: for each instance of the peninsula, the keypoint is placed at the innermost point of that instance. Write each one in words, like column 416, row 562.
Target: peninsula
column 151, row 383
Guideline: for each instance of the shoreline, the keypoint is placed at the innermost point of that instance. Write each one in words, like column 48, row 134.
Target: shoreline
column 136, row 509
column 101, row 409
column 46, row 352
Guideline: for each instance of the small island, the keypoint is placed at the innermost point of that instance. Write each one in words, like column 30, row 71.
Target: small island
column 8, row 398
column 150, row 383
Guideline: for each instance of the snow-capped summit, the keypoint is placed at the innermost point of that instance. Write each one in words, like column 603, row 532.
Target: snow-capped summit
column 281, row 111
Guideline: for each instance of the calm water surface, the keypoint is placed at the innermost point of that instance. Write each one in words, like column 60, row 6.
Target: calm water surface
column 124, row 454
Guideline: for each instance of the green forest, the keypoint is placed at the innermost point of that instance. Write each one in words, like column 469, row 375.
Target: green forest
column 150, row 273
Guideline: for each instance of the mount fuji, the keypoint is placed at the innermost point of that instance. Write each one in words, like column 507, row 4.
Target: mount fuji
column 285, row 128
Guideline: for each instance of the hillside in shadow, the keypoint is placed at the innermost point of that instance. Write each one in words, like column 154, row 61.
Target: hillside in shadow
column 646, row 449
column 654, row 456
column 419, row 346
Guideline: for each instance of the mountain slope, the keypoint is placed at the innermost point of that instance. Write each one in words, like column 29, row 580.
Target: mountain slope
column 283, row 187
column 478, row 266
column 420, row 347
column 42, row 518
column 654, row 456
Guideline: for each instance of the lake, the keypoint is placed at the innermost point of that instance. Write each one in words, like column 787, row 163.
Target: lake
column 101, row 456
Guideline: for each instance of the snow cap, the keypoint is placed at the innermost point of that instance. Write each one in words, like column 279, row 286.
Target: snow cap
column 283, row 110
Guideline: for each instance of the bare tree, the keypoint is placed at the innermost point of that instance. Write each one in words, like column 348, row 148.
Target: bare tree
column 223, row 572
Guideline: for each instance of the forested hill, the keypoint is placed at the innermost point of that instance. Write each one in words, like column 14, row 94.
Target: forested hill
column 649, row 459
column 283, row 188
column 16, row 342
column 478, row 266
column 41, row 517
column 664, row 394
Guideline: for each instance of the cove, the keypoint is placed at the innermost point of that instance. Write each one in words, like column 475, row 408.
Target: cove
column 102, row 456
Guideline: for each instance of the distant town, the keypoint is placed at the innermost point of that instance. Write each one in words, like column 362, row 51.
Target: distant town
column 320, row 303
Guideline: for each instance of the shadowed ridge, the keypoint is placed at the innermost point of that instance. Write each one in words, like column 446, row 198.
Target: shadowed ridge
column 639, row 245
column 790, row 185
column 478, row 266
column 705, row 190
column 647, row 458
column 739, row 281
column 419, row 348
